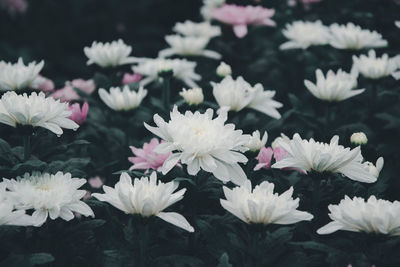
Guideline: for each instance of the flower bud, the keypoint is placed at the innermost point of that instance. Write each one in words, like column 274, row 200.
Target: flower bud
column 224, row 70
column 256, row 143
column 358, row 138
column 193, row 96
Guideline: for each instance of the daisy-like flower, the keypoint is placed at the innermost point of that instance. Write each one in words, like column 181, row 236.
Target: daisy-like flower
column 193, row 96
column 256, row 142
column 197, row 29
column 18, row 76
column 357, row 215
column 209, row 6
column 302, row 34
column 188, row 46
column 54, row 195
column 310, row 155
column 201, row 142
column 182, row 70
column 111, row 54
column 146, row 158
column 351, row 36
column 241, row 16
column 122, row 99
column 375, row 170
column 238, row 94
column 261, row 206
column 146, row 197
column 375, row 67
column 35, row 110
column 334, row 87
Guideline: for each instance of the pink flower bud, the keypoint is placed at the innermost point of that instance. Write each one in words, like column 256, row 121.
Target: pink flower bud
column 79, row 115
column 131, row 78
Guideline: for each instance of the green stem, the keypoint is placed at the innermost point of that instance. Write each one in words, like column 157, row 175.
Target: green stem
column 27, row 147
column 167, row 93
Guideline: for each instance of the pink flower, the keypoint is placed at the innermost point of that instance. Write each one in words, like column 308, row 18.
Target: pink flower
column 146, row 158
column 264, row 158
column 79, row 115
column 241, row 16
column 43, row 84
column 14, row 6
column 95, row 182
column 66, row 94
column 131, row 78
column 87, row 86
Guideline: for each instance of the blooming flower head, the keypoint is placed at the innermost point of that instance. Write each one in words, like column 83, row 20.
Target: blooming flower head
column 358, row 138
column 208, row 8
column 131, row 78
column 302, row 34
column 375, row 170
column 54, row 195
column 197, row 29
column 335, row 86
column 111, row 54
column 193, row 96
column 238, row 94
column 122, row 99
column 79, row 114
column 86, row 86
column 181, row 68
column 201, row 142
column 224, row 70
column 188, row 46
column 256, row 143
column 146, row 158
column 35, row 110
column 69, row 93
column 351, row 36
column 43, row 84
column 261, row 206
column 241, row 16
column 66, row 94
column 264, row 158
column 146, row 197
column 375, row 67
column 18, row 76
column 357, row 215
column 310, row 155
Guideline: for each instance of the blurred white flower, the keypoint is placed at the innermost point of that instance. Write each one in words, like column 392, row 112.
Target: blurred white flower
column 375, row 170
column 351, row 36
column 209, row 6
column 201, row 142
column 18, row 76
column 224, row 70
column 193, row 96
column 283, row 138
column 111, row 54
column 302, row 34
column 197, row 29
column 375, row 67
column 182, row 70
column 335, row 86
column 357, row 215
column 146, row 197
column 54, row 195
column 122, row 99
column 262, row 206
column 238, row 94
column 397, row 23
column 358, row 138
column 256, row 143
column 322, row 157
column 35, row 110
column 188, row 46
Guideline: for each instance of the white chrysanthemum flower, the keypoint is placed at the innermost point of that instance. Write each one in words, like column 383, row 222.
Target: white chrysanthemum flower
column 146, row 197
column 357, row 215
column 54, row 195
column 197, row 29
column 282, row 138
column 209, row 6
column 224, row 70
column 351, row 36
column 397, row 23
column 18, row 76
column 35, row 110
column 358, row 138
column 375, row 67
column 256, row 143
column 302, row 34
column 188, row 46
column 310, row 155
column 335, row 86
column 262, row 206
column 193, row 96
column 122, row 99
column 182, row 70
column 111, row 54
column 199, row 141
column 375, row 170
column 238, row 94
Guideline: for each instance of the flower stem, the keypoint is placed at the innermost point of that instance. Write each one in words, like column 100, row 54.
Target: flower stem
column 27, row 147
column 166, row 93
